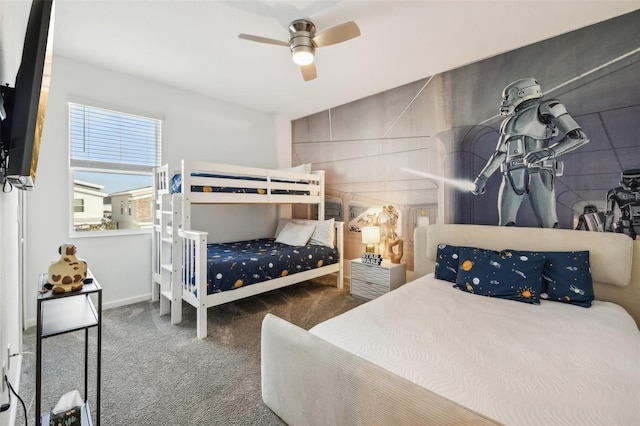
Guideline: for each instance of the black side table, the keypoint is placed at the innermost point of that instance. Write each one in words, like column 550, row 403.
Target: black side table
column 63, row 313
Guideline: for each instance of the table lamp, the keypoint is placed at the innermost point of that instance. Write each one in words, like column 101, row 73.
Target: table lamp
column 370, row 237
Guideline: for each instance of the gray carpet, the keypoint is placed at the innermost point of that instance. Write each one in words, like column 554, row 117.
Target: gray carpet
column 154, row 373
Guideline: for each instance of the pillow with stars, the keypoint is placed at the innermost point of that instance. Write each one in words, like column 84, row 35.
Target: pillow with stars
column 447, row 261
column 511, row 275
column 567, row 277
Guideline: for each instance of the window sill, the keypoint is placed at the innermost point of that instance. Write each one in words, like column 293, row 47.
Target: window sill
column 113, row 233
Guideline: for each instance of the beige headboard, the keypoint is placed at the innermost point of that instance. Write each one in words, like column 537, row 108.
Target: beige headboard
column 615, row 258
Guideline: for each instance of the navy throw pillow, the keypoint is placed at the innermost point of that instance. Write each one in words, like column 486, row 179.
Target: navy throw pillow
column 508, row 274
column 447, row 261
column 567, row 277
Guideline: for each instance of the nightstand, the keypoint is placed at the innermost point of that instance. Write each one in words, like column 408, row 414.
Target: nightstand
column 371, row 281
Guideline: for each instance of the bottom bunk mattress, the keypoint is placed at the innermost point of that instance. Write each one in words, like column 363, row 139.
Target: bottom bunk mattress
column 517, row 363
column 239, row 264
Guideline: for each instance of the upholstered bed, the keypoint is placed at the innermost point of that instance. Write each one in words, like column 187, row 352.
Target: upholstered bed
column 431, row 353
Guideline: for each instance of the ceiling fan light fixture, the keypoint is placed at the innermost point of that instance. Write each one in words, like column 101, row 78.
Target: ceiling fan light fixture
column 303, row 42
column 302, row 55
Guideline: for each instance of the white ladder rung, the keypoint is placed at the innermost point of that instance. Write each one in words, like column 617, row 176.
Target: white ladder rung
column 166, row 294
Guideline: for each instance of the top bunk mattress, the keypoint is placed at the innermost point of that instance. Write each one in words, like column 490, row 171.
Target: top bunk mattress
column 517, row 363
column 234, row 185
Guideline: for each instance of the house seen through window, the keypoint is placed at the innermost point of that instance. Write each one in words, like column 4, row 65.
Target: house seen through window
column 112, row 156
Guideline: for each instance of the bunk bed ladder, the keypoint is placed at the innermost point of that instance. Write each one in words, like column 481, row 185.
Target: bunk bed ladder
column 156, row 249
column 161, row 241
column 171, row 262
column 166, row 251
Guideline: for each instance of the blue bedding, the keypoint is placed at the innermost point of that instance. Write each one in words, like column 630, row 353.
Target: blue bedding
column 176, row 185
column 239, row 264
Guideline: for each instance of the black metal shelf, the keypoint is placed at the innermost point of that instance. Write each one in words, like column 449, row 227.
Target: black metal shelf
column 60, row 313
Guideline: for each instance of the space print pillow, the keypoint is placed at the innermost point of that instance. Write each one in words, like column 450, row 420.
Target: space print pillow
column 567, row 277
column 509, row 274
column 447, row 261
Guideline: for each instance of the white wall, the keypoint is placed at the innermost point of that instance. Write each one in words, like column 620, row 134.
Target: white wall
column 13, row 22
column 194, row 127
column 10, row 326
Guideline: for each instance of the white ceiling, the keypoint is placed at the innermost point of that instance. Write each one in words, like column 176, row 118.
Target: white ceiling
column 194, row 45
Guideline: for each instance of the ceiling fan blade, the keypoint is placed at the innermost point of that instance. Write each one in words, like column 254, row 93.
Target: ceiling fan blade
column 309, row 71
column 263, row 40
column 337, row 34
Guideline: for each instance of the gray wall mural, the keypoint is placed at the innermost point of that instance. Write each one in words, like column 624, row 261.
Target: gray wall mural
column 420, row 147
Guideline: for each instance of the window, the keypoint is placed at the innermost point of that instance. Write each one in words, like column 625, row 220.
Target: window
column 356, row 211
column 333, row 209
column 388, row 218
column 78, row 205
column 112, row 156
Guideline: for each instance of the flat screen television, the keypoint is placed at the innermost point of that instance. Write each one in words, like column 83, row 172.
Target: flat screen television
column 22, row 108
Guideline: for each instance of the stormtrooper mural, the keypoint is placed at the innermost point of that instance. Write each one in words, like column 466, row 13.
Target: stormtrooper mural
column 526, row 153
column 627, row 198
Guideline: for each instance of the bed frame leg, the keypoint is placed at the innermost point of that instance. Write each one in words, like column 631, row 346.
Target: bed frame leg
column 176, row 311
column 155, row 291
column 201, row 322
column 165, row 305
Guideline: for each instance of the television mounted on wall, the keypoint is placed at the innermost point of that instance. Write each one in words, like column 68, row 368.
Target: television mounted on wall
column 22, row 108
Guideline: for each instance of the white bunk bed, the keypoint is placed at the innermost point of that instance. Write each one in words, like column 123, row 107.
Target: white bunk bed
column 179, row 264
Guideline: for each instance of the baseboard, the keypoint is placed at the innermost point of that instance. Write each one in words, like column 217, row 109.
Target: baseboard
column 127, row 301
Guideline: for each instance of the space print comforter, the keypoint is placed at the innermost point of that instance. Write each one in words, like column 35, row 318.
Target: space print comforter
column 242, row 263
column 517, row 363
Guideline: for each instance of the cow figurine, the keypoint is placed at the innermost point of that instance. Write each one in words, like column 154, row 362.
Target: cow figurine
column 68, row 273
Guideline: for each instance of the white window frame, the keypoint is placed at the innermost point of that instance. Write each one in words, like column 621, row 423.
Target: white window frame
column 107, row 168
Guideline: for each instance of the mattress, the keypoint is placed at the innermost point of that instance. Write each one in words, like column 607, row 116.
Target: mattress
column 239, row 264
column 517, row 363
column 176, row 185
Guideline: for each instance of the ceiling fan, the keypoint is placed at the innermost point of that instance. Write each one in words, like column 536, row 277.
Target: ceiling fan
column 303, row 42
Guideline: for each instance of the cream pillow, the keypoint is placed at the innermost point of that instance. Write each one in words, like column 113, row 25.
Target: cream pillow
column 281, row 224
column 295, row 234
column 324, row 233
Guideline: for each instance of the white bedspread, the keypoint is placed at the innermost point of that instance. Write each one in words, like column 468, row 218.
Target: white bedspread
column 517, row 363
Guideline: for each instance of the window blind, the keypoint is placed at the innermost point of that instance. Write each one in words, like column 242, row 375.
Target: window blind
column 104, row 139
